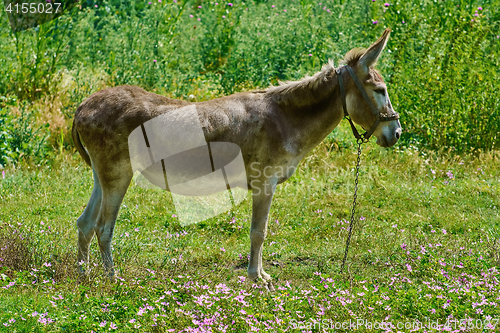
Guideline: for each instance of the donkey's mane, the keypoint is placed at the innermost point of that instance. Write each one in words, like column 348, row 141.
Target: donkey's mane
column 299, row 92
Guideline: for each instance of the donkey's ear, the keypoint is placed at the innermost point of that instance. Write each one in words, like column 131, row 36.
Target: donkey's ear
column 369, row 58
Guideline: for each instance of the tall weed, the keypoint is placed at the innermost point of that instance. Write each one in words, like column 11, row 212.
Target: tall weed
column 441, row 63
column 444, row 73
column 21, row 138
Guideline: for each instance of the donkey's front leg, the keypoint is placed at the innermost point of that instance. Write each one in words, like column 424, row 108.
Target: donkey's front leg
column 262, row 198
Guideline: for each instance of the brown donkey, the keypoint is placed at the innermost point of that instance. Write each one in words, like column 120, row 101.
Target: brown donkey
column 274, row 128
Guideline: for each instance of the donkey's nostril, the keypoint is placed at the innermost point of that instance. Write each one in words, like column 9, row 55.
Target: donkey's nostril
column 398, row 134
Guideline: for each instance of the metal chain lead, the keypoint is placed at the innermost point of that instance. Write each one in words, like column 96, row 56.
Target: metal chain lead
column 351, row 224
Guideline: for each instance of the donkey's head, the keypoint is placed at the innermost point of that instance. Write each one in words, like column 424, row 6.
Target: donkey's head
column 362, row 62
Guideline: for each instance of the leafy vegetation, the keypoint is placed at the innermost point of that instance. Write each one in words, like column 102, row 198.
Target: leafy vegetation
column 441, row 63
column 21, row 138
column 444, row 70
column 425, row 250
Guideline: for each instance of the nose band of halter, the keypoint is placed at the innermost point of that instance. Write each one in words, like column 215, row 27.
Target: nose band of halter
column 379, row 117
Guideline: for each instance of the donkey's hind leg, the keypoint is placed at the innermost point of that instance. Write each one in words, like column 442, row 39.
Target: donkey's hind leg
column 112, row 197
column 86, row 224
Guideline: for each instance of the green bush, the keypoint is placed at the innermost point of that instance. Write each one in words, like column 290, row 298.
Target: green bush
column 441, row 63
column 445, row 72
column 6, row 153
column 6, row 128
column 21, row 138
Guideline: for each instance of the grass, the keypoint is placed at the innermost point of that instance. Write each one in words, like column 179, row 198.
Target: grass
column 425, row 249
column 441, row 62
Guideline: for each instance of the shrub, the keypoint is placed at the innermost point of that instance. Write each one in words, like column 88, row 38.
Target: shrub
column 441, row 63
column 444, row 72
column 21, row 138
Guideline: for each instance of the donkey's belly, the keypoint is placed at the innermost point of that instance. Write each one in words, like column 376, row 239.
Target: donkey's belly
column 205, row 170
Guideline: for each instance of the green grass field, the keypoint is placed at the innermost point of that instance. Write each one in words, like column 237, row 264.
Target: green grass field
column 425, row 250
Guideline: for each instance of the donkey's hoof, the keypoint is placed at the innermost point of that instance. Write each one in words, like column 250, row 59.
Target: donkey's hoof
column 269, row 286
column 111, row 276
column 83, row 275
column 265, row 276
column 265, row 281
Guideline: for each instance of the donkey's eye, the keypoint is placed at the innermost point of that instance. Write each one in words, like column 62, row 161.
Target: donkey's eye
column 380, row 91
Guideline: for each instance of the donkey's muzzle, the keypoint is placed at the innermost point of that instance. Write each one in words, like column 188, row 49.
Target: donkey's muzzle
column 389, row 135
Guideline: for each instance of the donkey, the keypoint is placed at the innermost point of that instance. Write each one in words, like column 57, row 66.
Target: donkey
column 275, row 129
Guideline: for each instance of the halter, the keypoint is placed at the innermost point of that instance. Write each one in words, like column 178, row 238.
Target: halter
column 379, row 117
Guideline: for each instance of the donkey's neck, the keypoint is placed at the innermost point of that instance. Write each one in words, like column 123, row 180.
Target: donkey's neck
column 312, row 106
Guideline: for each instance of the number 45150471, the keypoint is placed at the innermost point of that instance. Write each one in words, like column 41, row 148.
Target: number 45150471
column 33, row 8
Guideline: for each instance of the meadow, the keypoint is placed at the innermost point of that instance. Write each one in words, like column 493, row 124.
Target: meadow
column 425, row 252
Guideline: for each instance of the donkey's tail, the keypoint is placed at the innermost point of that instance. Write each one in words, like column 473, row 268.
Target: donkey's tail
column 78, row 144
